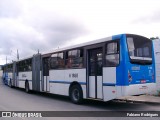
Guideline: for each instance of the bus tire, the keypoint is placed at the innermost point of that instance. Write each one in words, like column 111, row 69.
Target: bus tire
column 27, row 87
column 76, row 94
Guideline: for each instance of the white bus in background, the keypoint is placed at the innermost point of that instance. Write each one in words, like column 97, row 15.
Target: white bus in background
column 102, row 69
column 156, row 45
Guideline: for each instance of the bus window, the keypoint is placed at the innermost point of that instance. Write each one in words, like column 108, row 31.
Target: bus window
column 57, row 60
column 74, row 59
column 46, row 66
column 53, row 61
column 112, row 54
column 9, row 68
column 25, row 65
column 140, row 50
column 60, row 60
column 146, row 51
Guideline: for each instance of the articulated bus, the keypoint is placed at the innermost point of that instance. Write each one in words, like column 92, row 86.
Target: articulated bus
column 103, row 69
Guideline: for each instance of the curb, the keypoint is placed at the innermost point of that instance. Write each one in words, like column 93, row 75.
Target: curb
column 135, row 99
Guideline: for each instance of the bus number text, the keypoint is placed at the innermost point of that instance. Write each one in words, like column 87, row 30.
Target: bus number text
column 73, row 75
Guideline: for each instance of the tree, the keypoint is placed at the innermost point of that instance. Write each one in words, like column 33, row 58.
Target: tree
column 153, row 38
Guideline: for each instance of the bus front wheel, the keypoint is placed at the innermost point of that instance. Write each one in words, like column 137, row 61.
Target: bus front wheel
column 76, row 94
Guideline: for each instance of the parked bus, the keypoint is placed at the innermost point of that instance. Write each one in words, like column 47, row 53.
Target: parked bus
column 102, row 69
column 156, row 45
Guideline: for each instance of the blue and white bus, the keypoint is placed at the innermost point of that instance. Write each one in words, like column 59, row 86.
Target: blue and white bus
column 7, row 73
column 102, row 69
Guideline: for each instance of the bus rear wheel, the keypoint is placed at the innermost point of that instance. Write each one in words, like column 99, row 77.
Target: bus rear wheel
column 76, row 94
column 27, row 87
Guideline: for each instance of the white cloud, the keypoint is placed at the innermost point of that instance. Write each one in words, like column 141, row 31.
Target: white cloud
column 29, row 25
column 34, row 28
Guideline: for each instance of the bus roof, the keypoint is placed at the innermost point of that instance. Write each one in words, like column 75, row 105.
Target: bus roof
column 47, row 54
column 84, row 44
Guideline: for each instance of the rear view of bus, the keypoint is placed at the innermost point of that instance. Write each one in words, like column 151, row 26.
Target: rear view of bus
column 140, row 70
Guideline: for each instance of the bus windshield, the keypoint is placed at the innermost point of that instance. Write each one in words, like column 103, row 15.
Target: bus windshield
column 140, row 49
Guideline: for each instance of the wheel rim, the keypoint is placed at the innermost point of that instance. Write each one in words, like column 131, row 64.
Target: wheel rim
column 75, row 95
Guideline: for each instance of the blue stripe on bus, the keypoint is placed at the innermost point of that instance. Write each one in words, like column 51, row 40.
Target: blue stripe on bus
column 109, row 84
column 82, row 83
column 65, row 82
column 23, row 80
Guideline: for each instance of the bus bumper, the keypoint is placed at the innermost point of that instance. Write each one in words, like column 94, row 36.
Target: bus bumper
column 138, row 89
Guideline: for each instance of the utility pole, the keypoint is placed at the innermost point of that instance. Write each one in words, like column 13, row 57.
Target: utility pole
column 6, row 60
column 17, row 55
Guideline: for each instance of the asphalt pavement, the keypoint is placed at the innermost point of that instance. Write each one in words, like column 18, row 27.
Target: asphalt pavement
column 140, row 98
column 14, row 99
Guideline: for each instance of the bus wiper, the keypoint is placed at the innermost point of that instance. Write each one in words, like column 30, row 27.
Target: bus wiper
column 142, row 62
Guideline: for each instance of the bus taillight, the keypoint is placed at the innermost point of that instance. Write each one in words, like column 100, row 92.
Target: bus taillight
column 129, row 76
column 143, row 81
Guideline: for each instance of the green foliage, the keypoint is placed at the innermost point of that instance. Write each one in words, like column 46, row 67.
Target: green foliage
column 153, row 38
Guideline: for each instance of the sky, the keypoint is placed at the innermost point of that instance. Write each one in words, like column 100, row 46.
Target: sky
column 45, row 25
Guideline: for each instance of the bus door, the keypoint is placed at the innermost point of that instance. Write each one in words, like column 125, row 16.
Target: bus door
column 45, row 72
column 36, row 65
column 14, row 75
column 95, row 73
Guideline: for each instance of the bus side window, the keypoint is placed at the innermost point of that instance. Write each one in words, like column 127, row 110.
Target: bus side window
column 57, row 61
column 53, row 61
column 112, row 54
column 60, row 59
column 74, row 59
column 46, row 66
